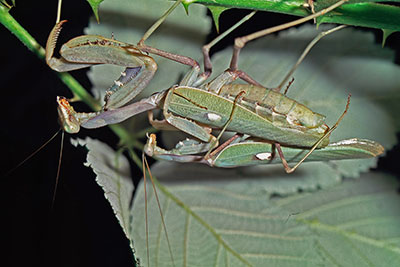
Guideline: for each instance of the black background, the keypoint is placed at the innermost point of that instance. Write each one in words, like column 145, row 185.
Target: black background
column 81, row 229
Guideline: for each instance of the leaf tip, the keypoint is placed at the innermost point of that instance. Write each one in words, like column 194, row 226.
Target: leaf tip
column 216, row 13
column 94, row 4
column 386, row 34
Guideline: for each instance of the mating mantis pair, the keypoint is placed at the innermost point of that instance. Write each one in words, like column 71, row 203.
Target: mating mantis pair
column 218, row 104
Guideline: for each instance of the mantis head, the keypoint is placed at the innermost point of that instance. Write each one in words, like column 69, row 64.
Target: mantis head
column 67, row 116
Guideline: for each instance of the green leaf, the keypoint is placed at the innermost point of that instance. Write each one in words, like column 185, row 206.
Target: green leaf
column 356, row 13
column 216, row 11
column 356, row 222
column 226, row 221
column 95, row 7
column 386, row 34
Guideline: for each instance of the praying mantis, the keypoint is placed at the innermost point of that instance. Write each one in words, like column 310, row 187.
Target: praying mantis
column 305, row 128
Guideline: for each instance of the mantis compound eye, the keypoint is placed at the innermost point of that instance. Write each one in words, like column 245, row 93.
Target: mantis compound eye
column 67, row 116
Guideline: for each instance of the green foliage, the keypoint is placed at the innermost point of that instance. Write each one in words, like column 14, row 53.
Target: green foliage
column 356, row 13
column 223, row 220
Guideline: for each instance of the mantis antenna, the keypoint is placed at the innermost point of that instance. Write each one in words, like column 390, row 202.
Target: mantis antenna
column 32, row 154
column 58, row 169
column 145, row 165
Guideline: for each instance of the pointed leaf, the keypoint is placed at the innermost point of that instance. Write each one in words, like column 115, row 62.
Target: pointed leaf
column 216, row 12
column 356, row 13
column 95, row 7
column 386, row 34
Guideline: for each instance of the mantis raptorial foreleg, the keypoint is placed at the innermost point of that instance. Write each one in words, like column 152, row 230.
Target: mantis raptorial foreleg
column 89, row 50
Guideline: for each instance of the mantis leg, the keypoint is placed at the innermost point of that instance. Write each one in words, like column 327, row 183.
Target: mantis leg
column 222, row 146
column 310, row 5
column 304, row 54
column 193, row 78
column 206, row 48
column 88, row 50
column 185, row 151
column 240, row 42
column 225, row 78
column 71, row 120
column 60, row 64
column 206, row 53
column 161, row 125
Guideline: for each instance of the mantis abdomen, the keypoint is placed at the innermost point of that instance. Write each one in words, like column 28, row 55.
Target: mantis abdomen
column 215, row 110
column 278, row 108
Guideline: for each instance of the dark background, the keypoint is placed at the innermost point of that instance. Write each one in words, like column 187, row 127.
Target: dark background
column 81, row 229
